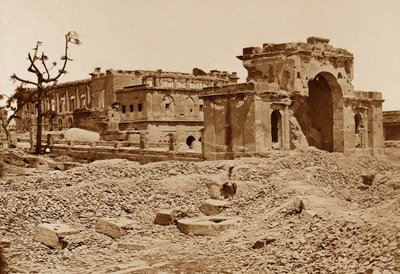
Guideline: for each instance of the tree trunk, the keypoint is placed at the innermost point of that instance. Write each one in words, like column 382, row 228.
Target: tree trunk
column 9, row 141
column 38, row 149
column 8, row 135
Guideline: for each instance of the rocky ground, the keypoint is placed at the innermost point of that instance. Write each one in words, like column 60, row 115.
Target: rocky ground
column 350, row 223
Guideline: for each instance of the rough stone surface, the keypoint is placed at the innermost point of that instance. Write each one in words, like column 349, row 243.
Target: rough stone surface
column 130, row 268
column 113, row 227
column 52, row 235
column 212, row 206
column 351, row 229
column 144, row 245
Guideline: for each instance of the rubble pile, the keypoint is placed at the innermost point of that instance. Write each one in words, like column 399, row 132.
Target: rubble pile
column 299, row 213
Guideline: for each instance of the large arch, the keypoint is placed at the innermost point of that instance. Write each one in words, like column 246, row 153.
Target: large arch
column 320, row 115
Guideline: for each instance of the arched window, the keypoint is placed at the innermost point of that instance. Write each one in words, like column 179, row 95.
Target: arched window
column 70, row 123
column 189, row 141
column 189, row 107
column 168, row 105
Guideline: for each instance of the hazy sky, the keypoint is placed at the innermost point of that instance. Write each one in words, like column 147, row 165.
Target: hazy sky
column 178, row 35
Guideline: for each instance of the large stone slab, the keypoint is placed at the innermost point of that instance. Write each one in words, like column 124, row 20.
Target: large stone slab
column 52, row 235
column 212, row 206
column 114, row 227
column 206, row 225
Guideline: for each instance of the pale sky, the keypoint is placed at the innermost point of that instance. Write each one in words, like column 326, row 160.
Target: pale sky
column 178, row 35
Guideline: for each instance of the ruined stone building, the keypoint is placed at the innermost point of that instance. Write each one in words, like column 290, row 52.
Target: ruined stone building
column 391, row 125
column 168, row 103
column 118, row 102
column 296, row 95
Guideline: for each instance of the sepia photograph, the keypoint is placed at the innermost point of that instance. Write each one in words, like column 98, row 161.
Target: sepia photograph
column 185, row 136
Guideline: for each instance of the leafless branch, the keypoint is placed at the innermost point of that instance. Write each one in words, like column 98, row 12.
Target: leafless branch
column 44, row 65
column 15, row 77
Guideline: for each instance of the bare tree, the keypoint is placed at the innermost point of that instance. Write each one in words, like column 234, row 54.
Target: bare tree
column 39, row 67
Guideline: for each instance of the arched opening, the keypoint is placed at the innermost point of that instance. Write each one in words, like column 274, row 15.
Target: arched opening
column 320, row 115
column 70, row 123
column 276, row 120
column 189, row 141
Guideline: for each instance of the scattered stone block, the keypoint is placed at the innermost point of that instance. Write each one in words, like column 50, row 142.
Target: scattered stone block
column 113, row 227
column 144, row 245
column 165, row 217
column 212, row 206
column 52, row 235
column 206, row 225
column 294, row 207
column 264, row 242
column 309, row 213
column 214, row 190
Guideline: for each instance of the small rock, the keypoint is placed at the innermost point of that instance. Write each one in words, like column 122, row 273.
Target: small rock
column 263, row 242
column 367, row 179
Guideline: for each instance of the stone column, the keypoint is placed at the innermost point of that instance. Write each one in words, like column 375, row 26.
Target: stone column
column 259, row 126
column 66, row 100
column 49, row 140
column 77, row 98
column 171, row 142
column 57, row 103
column 286, row 128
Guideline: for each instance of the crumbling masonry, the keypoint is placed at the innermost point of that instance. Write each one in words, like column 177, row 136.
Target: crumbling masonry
column 296, row 95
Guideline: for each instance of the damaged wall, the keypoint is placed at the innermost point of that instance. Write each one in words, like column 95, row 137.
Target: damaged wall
column 292, row 87
column 391, row 123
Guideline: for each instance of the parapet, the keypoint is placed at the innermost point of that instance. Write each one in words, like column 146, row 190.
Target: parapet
column 197, row 73
column 314, row 45
column 391, row 117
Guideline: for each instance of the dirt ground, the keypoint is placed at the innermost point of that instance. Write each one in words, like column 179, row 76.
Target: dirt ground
column 350, row 224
